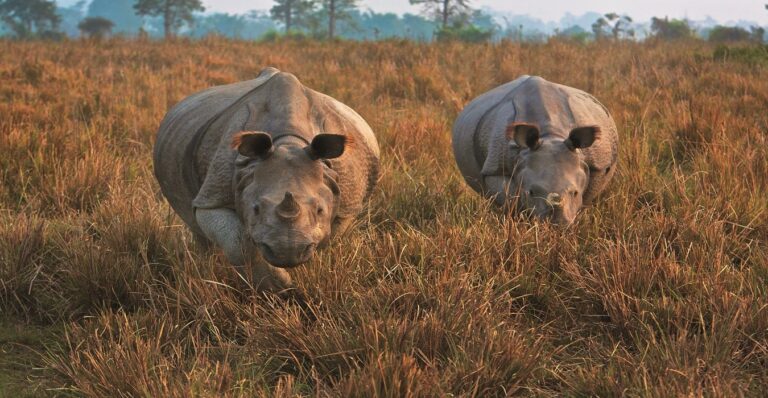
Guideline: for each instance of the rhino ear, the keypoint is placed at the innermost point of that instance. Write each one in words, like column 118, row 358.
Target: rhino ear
column 253, row 144
column 582, row 137
column 525, row 135
column 327, row 146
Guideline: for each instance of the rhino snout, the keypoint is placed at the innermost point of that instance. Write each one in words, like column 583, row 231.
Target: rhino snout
column 558, row 217
column 288, row 256
column 554, row 208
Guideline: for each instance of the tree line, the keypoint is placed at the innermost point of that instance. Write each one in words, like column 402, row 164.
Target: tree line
column 317, row 18
column 322, row 19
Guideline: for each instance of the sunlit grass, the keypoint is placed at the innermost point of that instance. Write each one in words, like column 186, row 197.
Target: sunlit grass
column 659, row 289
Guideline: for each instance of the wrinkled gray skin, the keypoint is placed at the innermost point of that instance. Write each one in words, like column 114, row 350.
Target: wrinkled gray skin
column 265, row 169
column 549, row 148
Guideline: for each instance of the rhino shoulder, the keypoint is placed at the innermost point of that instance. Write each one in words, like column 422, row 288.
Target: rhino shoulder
column 214, row 153
column 478, row 138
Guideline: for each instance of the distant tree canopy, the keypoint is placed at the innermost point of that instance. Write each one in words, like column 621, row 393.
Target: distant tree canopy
column 758, row 33
column 293, row 14
column 476, row 27
column 173, row 12
column 574, row 33
column 96, row 27
column 729, row 33
column 670, row 29
column 29, row 17
column 251, row 26
column 445, row 11
column 121, row 12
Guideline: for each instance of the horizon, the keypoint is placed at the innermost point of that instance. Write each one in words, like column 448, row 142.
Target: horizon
column 550, row 11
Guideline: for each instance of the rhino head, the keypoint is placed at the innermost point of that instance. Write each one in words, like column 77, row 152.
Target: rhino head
column 551, row 174
column 287, row 194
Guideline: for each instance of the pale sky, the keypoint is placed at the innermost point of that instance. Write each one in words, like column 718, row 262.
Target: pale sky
column 552, row 10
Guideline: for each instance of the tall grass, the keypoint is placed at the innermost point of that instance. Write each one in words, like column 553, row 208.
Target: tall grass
column 659, row 289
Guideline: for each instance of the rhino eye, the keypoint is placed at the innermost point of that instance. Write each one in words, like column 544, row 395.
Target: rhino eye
column 256, row 209
column 320, row 211
column 575, row 193
column 530, row 192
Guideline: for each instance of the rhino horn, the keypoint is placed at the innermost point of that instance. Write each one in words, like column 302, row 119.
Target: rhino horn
column 288, row 209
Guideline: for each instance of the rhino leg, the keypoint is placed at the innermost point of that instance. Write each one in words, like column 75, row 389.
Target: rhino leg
column 224, row 229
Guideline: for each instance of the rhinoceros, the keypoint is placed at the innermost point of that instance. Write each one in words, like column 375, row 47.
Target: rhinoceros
column 265, row 169
column 547, row 148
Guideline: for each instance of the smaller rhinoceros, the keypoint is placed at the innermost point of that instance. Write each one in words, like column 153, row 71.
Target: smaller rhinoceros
column 266, row 169
column 548, row 148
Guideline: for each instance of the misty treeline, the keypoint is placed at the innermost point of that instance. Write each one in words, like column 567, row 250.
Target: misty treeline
column 345, row 19
column 317, row 19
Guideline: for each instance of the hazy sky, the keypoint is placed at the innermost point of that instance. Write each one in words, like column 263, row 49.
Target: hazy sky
column 552, row 10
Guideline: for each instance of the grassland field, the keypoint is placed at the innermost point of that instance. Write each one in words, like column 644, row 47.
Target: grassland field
column 660, row 289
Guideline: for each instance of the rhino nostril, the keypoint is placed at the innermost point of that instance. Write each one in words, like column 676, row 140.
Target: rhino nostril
column 308, row 250
column 266, row 250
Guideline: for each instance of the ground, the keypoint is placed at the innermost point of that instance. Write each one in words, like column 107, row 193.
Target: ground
column 659, row 289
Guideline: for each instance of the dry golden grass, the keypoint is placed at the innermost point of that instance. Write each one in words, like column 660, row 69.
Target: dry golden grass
column 660, row 289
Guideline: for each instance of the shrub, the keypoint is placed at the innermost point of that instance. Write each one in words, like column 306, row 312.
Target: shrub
column 673, row 29
column 749, row 55
column 95, row 27
column 728, row 33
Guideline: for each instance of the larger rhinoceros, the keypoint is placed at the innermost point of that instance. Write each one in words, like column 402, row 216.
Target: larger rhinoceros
column 548, row 148
column 266, row 169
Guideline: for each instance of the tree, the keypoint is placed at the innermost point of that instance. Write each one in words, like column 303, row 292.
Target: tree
column 757, row 33
column 598, row 28
column 292, row 13
column 621, row 25
column 96, row 27
column 174, row 12
column 29, row 17
column 476, row 27
column 615, row 24
column 337, row 10
column 445, row 11
column 670, row 29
